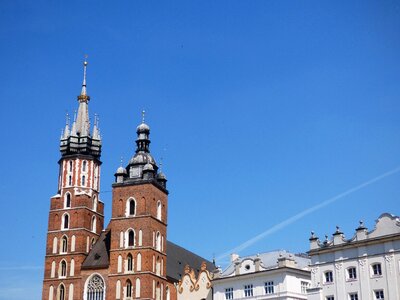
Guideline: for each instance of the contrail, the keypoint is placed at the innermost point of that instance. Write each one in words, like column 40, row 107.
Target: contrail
column 306, row 212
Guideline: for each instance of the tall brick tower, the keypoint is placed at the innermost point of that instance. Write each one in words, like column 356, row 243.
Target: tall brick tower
column 139, row 227
column 76, row 212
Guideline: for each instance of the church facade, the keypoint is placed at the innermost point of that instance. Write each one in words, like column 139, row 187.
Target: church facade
column 129, row 259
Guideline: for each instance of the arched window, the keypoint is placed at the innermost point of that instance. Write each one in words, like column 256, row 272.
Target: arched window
column 130, row 207
column 131, row 238
column 158, row 241
column 64, row 244
column 159, row 210
column 140, row 237
column 118, row 290
column 72, row 268
column 67, row 202
column 51, row 292
column 128, row 288
column 94, row 224
column 61, row 292
column 53, row 269
column 69, row 180
column 63, row 269
column 129, row 263
column 139, row 262
column 137, row 288
column 168, row 293
column 95, row 203
column 84, row 164
column 83, row 180
column 95, row 288
column 65, row 222
column 71, row 292
column 119, row 266
column 73, row 243
column 70, row 165
column 55, row 241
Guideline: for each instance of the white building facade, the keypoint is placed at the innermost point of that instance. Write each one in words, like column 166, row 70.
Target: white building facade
column 365, row 267
column 272, row 275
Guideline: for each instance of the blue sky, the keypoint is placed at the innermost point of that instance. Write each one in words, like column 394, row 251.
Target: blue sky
column 260, row 109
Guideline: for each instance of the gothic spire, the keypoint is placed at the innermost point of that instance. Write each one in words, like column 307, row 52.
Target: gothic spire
column 82, row 121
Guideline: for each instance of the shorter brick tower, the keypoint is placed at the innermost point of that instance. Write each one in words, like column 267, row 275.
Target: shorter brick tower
column 76, row 212
column 139, row 227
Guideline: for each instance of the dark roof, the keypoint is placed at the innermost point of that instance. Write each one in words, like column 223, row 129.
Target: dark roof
column 98, row 257
column 177, row 258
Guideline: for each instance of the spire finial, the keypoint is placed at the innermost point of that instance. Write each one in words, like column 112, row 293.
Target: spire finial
column 143, row 115
column 83, row 91
column 121, row 161
column 75, row 112
column 66, row 118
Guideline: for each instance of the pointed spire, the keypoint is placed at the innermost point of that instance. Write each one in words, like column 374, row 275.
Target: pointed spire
column 66, row 130
column 143, row 115
column 83, row 91
column 96, row 131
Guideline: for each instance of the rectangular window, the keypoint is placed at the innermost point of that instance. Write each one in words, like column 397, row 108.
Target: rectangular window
column 379, row 295
column 377, row 269
column 330, row 298
column 352, row 273
column 248, row 290
column 304, row 287
column 269, row 287
column 229, row 294
column 353, row 296
column 328, row 276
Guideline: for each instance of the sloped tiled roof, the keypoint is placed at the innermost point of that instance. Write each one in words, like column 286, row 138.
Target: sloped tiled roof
column 177, row 258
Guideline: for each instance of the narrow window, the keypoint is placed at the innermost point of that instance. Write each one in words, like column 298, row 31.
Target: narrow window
column 61, row 293
column 67, row 200
column 94, row 224
column 379, row 295
column 70, row 165
column 131, row 238
column 137, row 288
column 51, row 292
column 351, row 273
column 128, row 288
column 168, row 293
column 377, row 270
column 269, row 287
column 83, row 180
column 159, row 210
column 158, row 241
column 330, row 298
column 139, row 262
column 73, row 243
column 130, row 263
column 55, row 245
column 328, row 277
column 118, row 290
column 119, row 267
column 65, row 224
column 71, row 292
column 229, row 293
column 132, row 207
column 92, row 243
column 63, row 269
column 72, row 268
column 53, row 269
column 248, row 290
column 140, row 237
column 64, row 244
column 69, row 180
column 84, row 166
column 95, row 203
